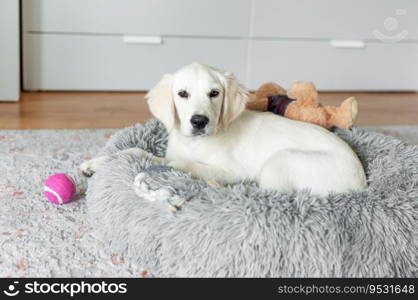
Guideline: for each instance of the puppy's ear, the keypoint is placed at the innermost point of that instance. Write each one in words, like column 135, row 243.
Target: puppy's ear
column 161, row 103
column 235, row 99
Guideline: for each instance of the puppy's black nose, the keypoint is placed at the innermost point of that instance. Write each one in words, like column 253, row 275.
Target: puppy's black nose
column 199, row 121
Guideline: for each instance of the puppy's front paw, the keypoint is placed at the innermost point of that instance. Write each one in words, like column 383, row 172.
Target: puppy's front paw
column 181, row 165
column 88, row 168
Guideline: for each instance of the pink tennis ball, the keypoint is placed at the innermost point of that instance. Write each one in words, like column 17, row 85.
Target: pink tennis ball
column 59, row 188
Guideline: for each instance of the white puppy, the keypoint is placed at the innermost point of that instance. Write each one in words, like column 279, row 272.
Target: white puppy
column 213, row 137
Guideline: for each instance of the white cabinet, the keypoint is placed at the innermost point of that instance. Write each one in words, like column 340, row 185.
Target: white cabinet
column 9, row 50
column 84, row 62
column 374, row 67
column 143, row 17
column 330, row 19
column 129, row 44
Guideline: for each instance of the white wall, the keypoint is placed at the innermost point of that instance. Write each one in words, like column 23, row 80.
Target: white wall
column 9, row 50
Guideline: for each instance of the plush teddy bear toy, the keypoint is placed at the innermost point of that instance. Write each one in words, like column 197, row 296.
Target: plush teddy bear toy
column 302, row 103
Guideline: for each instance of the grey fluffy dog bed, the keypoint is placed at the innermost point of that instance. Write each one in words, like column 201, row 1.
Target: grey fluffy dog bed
column 244, row 231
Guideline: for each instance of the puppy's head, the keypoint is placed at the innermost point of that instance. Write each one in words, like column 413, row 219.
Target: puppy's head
column 197, row 100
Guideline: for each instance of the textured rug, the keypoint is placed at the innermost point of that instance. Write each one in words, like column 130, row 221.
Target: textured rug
column 40, row 239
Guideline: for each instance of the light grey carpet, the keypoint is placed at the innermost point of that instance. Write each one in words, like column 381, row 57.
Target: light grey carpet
column 40, row 239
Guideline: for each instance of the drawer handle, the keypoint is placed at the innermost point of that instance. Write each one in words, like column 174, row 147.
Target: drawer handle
column 350, row 44
column 138, row 39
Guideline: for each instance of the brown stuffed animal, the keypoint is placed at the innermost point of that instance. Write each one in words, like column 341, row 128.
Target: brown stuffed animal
column 302, row 103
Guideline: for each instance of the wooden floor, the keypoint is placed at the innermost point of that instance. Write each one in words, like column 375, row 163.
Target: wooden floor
column 114, row 110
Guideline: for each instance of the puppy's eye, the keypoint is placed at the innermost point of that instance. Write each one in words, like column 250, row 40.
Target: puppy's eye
column 213, row 93
column 183, row 94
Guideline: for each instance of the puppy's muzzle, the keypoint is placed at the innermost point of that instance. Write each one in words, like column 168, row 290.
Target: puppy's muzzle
column 199, row 121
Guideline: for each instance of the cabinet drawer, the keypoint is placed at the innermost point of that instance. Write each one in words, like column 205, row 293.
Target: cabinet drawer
column 330, row 19
column 377, row 66
column 80, row 62
column 179, row 17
